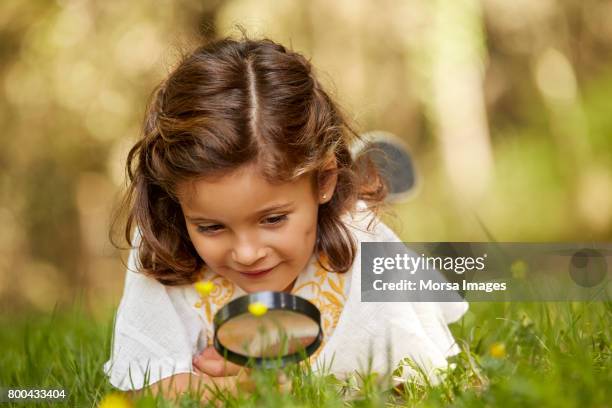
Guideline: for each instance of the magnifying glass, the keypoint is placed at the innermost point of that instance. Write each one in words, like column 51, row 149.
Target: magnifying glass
column 267, row 329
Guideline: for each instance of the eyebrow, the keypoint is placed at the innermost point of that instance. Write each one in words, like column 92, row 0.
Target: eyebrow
column 275, row 207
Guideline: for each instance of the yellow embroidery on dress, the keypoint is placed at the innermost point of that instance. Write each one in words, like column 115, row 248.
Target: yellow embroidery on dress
column 315, row 287
column 220, row 295
column 338, row 288
column 333, row 300
column 321, row 272
column 327, row 293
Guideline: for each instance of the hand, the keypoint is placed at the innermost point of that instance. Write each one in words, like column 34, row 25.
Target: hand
column 211, row 363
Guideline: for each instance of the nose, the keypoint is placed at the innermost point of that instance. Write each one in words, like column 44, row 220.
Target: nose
column 247, row 251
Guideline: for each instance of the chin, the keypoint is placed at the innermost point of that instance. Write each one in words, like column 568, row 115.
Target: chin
column 260, row 288
column 251, row 287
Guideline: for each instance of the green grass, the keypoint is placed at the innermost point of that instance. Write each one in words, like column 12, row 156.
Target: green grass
column 556, row 354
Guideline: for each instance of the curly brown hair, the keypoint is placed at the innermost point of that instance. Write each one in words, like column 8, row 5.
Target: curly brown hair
column 229, row 103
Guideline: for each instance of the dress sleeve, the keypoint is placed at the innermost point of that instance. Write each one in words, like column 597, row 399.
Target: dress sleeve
column 379, row 336
column 154, row 335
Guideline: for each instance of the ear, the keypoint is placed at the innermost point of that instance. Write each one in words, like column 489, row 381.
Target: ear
column 328, row 177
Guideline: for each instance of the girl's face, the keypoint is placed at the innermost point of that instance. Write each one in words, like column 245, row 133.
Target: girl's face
column 256, row 234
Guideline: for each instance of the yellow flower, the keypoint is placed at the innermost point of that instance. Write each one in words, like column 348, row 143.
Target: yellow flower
column 497, row 350
column 115, row 400
column 258, row 309
column 204, row 288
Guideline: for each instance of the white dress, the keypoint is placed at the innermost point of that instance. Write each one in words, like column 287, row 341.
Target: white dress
column 158, row 329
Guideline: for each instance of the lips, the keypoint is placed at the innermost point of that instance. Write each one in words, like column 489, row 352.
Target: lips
column 256, row 274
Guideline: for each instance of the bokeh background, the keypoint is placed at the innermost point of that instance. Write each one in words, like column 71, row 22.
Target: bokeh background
column 506, row 106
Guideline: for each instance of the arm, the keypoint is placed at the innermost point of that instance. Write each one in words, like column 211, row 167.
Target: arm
column 174, row 386
column 214, row 374
column 154, row 333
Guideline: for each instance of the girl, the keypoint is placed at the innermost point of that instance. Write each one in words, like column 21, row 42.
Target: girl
column 244, row 177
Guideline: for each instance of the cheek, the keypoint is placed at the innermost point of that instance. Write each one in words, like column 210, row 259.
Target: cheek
column 209, row 250
column 310, row 232
column 310, row 227
column 303, row 236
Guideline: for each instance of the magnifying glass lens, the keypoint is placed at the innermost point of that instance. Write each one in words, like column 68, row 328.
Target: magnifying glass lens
column 278, row 333
column 288, row 330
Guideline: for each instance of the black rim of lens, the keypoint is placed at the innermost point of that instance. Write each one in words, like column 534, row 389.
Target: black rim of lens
column 273, row 301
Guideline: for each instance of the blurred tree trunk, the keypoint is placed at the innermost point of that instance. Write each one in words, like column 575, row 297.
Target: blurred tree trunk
column 458, row 106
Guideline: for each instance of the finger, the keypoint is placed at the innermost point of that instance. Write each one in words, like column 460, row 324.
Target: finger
column 284, row 384
column 213, row 364
column 245, row 381
column 215, row 368
column 210, row 353
column 242, row 381
column 285, row 388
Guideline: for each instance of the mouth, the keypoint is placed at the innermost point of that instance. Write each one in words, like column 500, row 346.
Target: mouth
column 256, row 274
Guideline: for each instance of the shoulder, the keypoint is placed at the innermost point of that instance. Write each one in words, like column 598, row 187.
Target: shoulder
column 145, row 295
column 366, row 226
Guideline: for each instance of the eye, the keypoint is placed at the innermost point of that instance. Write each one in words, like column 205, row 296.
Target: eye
column 275, row 220
column 209, row 229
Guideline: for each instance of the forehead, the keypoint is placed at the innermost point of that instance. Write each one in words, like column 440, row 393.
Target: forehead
column 239, row 194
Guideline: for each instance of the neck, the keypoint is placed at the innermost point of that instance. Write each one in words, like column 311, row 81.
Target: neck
column 289, row 288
